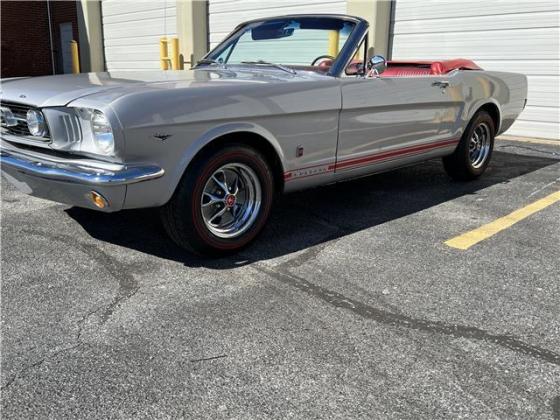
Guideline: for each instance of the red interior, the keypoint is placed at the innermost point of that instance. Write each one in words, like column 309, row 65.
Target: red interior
column 414, row 68
column 404, row 68
column 420, row 68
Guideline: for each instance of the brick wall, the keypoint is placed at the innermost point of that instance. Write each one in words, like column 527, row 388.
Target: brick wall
column 25, row 44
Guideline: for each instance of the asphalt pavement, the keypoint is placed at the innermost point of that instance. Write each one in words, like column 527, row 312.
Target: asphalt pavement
column 350, row 305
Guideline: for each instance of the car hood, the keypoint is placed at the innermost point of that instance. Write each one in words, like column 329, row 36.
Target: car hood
column 60, row 90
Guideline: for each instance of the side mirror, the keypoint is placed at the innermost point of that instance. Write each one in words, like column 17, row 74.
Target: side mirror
column 377, row 64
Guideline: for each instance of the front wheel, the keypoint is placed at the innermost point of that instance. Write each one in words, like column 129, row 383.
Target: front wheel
column 472, row 155
column 222, row 203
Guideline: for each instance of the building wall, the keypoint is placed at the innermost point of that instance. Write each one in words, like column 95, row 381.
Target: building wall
column 25, row 52
column 26, row 49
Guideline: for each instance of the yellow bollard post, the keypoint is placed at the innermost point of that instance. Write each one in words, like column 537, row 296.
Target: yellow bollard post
column 334, row 39
column 175, row 65
column 75, row 57
column 163, row 54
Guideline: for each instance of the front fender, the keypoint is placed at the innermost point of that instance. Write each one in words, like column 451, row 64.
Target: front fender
column 157, row 192
column 219, row 131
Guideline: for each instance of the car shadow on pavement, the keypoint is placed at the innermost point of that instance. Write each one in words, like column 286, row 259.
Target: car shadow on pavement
column 312, row 217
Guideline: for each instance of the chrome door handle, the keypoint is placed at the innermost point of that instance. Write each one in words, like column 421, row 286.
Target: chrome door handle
column 441, row 84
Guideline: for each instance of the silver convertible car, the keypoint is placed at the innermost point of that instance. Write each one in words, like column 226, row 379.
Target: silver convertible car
column 282, row 104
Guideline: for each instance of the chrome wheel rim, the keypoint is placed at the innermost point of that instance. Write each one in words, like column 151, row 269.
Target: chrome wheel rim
column 479, row 145
column 231, row 200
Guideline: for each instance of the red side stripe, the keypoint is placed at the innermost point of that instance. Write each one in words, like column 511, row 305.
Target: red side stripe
column 354, row 163
column 381, row 156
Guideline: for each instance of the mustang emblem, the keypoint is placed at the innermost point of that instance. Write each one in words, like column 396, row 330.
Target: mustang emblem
column 162, row 137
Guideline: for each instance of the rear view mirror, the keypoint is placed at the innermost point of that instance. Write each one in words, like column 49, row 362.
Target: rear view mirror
column 274, row 31
column 377, row 65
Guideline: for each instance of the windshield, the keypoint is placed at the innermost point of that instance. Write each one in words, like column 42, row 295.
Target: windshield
column 305, row 41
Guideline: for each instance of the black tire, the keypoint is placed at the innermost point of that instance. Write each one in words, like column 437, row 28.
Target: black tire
column 460, row 165
column 183, row 218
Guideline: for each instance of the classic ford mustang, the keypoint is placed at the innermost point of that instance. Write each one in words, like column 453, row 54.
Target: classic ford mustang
column 281, row 104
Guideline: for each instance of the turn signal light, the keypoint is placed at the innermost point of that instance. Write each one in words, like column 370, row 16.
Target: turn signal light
column 98, row 200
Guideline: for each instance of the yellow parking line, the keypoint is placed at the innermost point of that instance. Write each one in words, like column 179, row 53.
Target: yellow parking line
column 466, row 240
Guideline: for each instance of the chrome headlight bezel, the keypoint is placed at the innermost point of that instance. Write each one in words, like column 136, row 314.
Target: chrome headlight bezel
column 84, row 131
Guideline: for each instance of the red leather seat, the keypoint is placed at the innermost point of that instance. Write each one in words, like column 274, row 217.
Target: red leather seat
column 405, row 71
column 412, row 68
column 424, row 67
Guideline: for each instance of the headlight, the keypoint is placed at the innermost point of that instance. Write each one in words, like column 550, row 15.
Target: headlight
column 102, row 133
column 97, row 132
column 36, row 123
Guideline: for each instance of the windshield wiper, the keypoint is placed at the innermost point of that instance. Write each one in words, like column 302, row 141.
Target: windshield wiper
column 210, row 61
column 268, row 63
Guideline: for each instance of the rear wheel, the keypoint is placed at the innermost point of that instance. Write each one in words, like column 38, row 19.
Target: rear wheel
column 472, row 155
column 222, row 203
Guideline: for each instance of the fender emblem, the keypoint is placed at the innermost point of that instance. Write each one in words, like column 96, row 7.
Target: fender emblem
column 162, row 137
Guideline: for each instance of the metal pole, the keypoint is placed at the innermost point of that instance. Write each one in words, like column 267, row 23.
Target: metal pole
column 75, row 57
column 51, row 36
column 334, row 37
column 163, row 54
column 175, row 65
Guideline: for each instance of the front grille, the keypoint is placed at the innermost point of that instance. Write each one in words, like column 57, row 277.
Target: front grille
column 20, row 113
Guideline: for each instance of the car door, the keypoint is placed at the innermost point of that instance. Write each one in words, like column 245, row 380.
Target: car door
column 388, row 122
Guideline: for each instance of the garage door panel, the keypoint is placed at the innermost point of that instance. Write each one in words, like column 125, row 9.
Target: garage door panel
column 119, row 7
column 117, row 53
column 538, row 129
column 545, row 84
column 422, row 9
column 272, row 7
column 164, row 13
column 528, row 44
column 479, row 23
column 133, row 65
column 132, row 30
column 135, row 41
column 545, row 114
column 534, row 68
column 142, row 28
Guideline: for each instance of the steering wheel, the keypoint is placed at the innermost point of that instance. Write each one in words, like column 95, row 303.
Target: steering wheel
column 323, row 61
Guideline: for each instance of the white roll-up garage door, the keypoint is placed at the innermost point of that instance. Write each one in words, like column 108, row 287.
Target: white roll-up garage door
column 518, row 36
column 225, row 15
column 132, row 30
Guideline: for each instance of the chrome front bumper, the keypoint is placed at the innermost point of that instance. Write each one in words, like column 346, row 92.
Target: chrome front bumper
column 72, row 181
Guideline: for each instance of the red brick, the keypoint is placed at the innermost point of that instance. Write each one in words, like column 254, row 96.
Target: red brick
column 25, row 45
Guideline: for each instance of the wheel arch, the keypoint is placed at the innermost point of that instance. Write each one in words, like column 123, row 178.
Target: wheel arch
column 493, row 109
column 239, row 133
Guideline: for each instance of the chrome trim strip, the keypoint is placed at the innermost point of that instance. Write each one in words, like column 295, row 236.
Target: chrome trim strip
column 79, row 174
